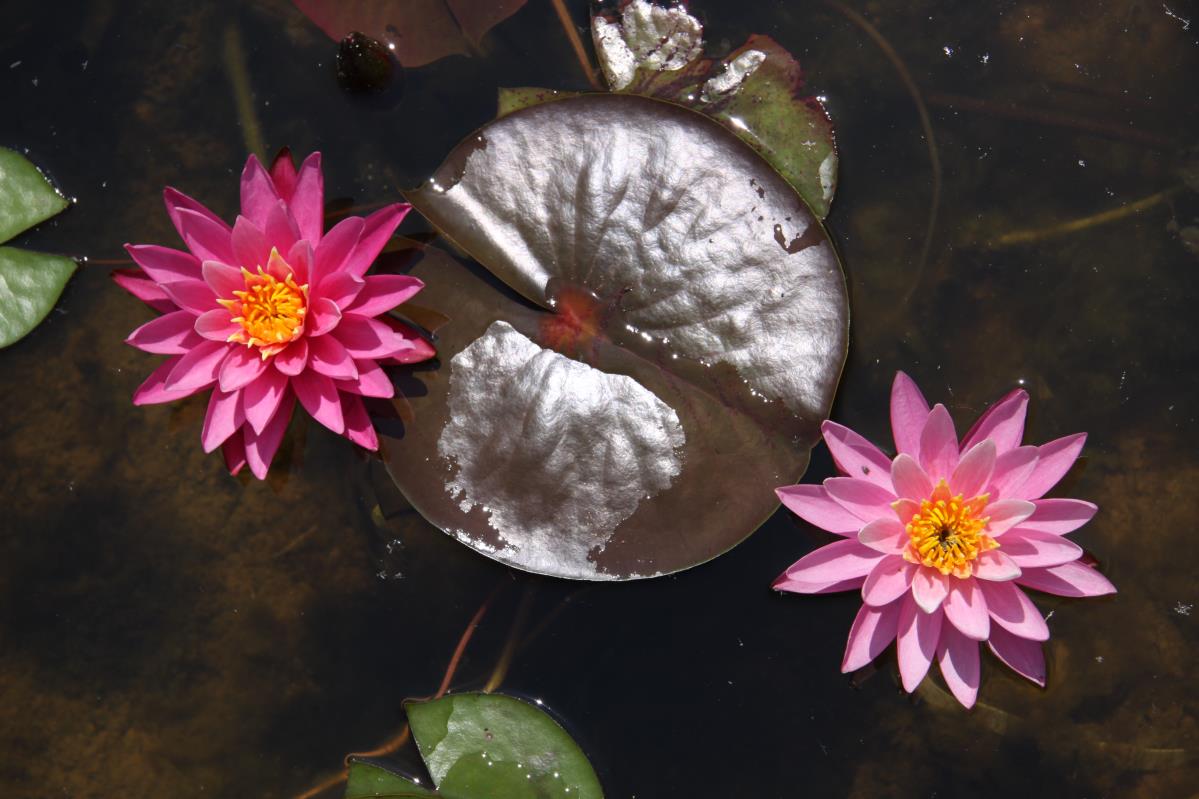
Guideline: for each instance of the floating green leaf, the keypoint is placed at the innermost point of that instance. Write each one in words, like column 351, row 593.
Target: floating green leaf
column 515, row 99
column 371, row 781
column 26, row 197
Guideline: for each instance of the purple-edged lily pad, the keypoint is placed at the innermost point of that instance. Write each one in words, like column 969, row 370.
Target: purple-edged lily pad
column 663, row 340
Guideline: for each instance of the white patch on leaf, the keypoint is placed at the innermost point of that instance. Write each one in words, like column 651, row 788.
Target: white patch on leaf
column 735, row 73
column 648, row 37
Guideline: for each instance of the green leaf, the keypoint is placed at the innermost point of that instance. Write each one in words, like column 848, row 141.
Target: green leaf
column 487, row 746
column 522, row 97
column 370, row 781
column 30, row 284
column 26, row 197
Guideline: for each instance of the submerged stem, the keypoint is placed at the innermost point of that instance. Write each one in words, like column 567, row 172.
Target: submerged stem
column 577, row 43
column 243, row 95
column 1017, row 237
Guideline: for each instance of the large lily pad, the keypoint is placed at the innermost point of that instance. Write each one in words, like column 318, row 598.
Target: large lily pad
column 680, row 336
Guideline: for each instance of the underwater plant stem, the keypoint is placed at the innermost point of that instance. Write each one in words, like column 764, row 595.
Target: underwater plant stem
column 243, row 96
column 925, row 123
column 1018, row 237
column 505, row 660
column 576, row 42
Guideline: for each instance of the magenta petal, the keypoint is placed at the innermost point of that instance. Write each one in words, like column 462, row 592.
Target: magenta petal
column 383, row 293
column 329, row 357
column 868, row 501
column 1012, row 469
column 170, row 334
column 1020, row 655
column 223, row 418
column 1059, row 516
column 966, row 609
column 909, row 412
column 1069, row 579
column 154, row 391
column 376, row 230
column 242, row 367
column 319, row 397
column 340, row 288
column 884, row 535
column 368, row 338
column 372, row 381
column 994, row 565
column 855, row 456
column 216, row 324
column 308, row 200
column 283, row 174
column 299, row 258
column 330, row 255
column 1002, row 423
column 974, row 470
column 193, row 296
column 416, row 349
column 809, row 502
column 1053, row 461
column 957, row 657
column 177, row 201
column 163, row 264
column 261, row 398
column 323, row 316
column 358, row 423
column 938, row 445
column 280, row 229
column 840, row 560
column 888, row 581
column 873, row 629
column 293, row 359
column 198, row 368
column 909, row 479
column 208, row 240
column 258, row 193
column 223, row 279
column 234, row 451
column 929, row 588
column 261, row 447
column 1012, row 610
column 1032, row 549
column 141, row 286
column 1006, row 514
column 918, row 636
column 250, row 246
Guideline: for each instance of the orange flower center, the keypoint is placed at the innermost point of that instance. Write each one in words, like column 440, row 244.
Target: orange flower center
column 947, row 532
column 270, row 310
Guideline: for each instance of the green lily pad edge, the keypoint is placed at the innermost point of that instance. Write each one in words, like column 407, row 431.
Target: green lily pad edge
column 30, row 282
column 483, row 746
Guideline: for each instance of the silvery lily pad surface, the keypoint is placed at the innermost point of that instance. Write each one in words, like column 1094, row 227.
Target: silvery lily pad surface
column 665, row 336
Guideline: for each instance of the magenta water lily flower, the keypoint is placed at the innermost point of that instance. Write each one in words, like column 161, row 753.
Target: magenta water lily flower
column 272, row 310
column 941, row 538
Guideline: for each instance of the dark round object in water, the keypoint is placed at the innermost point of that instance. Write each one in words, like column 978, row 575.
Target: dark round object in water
column 366, row 66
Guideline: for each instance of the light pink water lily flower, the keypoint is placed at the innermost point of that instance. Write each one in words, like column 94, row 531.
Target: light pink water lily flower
column 940, row 539
column 271, row 310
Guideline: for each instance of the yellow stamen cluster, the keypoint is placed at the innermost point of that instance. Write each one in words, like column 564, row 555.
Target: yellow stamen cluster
column 947, row 532
column 270, row 311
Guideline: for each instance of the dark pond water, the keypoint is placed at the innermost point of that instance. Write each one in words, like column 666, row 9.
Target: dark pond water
column 167, row 630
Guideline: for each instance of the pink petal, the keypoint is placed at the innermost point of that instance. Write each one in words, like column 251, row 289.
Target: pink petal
column 329, row 257
column 1006, row 514
column 329, row 357
column 938, row 445
column 1013, row 611
column 223, row 279
column 957, row 657
column 887, row 581
column 383, row 293
column 216, row 324
column 1053, row 461
column 966, row 609
column 872, row 631
column 853, row 454
column 905, row 509
column 1021, row 656
column 909, row 412
column 250, row 246
column 223, row 418
column 234, row 451
column 1069, row 579
column 177, row 201
column 884, row 535
column 170, row 334
column 193, row 296
column 258, row 194
column 862, row 498
column 283, row 174
column 1012, row 469
column 262, row 398
column 280, row 229
column 909, row 479
column 785, row 583
column 323, row 316
column 929, row 588
column 994, row 565
column 974, row 470
column 340, row 288
column 299, row 258
column 319, row 397
column 918, row 636
column 372, row 381
column 1032, row 549
column 242, row 367
column 1002, row 423
column 809, row 502
column 1059, row 516
column 163, row 264
column 261, row 447
column 368, row 338
column 198, row 368
column 208, row 240
column 358, row 423
column 376, row 230
column 141, row 286
column 417, row 350
column 307, row 202
column 840, row 560
column 154, row 391
column 293, row 359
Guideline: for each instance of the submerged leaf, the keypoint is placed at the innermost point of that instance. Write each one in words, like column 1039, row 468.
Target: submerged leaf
column 703, row 299
column 370, row 781
column 26, row 197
